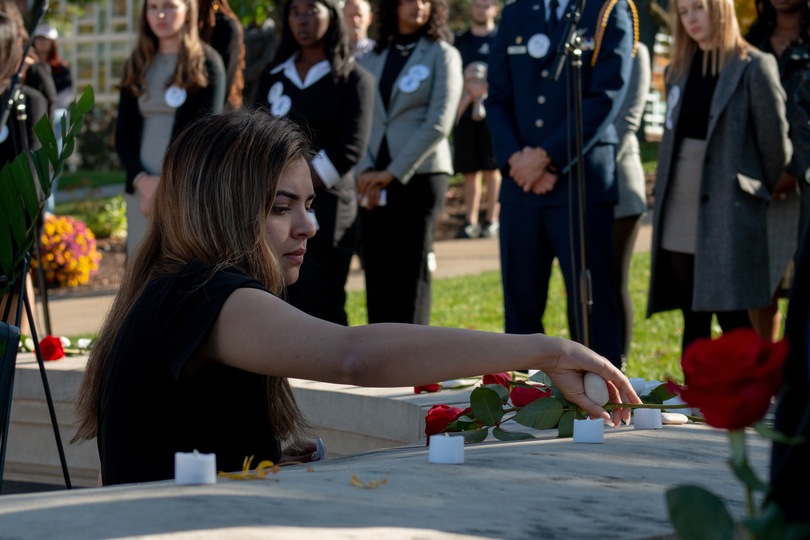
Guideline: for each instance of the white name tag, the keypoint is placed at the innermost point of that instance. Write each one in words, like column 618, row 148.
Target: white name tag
column 516, row 49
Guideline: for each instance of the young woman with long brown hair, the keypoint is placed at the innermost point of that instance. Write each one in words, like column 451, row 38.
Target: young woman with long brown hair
column 724, row 147
column 197, row 347
column 170, row 79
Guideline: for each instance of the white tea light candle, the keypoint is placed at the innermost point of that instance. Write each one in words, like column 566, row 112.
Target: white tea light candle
column 446, row 449
column 195, row 468
column 647, row 419
column 589, row 431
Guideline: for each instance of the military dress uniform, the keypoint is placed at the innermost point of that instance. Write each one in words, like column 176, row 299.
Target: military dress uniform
column 526, row 108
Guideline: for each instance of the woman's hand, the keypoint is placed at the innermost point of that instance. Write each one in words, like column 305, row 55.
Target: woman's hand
column 568, row 372
column 369, row 186
column 296, row 455
column 788, row 183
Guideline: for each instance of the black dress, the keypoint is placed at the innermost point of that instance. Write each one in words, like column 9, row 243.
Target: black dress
column 150, row 407
column 337, row 116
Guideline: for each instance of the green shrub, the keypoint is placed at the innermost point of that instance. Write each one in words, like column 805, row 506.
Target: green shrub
column 106, row 217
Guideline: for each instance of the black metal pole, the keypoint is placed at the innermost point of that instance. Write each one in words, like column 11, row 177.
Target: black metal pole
column 48, row 397
column 585, row 292
column 570, row 45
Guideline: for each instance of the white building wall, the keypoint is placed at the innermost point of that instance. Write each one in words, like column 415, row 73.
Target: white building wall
column 97, row 44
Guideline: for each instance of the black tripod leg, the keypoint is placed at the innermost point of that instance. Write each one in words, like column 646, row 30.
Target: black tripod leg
column 48, row 397
column 43, row 290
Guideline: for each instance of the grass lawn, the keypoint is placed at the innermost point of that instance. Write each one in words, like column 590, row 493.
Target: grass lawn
column 90, row 179
column 477, row 302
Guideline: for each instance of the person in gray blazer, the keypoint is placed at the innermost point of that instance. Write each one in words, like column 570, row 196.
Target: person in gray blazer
column 725, row 145
column 632, row 183
column 404, row 174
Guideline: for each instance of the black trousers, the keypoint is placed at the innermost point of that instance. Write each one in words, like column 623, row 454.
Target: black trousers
column 530, row 239
column 697, row 324
column 396, row 240
column 321, row 287
column 625, row 230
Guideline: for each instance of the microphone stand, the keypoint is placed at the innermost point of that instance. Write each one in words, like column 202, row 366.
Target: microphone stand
column 570, row 45
column 9, row 365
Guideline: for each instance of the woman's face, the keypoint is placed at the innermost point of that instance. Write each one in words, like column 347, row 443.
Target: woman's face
column 42, row 46
column 290, row 222
column 412, row 15
column 788, row 6
column 166, row 18
column 695, row 20
column 309, row 22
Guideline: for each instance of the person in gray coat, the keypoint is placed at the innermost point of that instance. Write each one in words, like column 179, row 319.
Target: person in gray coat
column 725, row 145
column 632, row 183
column 403, row 177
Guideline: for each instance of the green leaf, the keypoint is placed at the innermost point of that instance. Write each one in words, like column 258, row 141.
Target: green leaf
column 44, row 132
column 660, row 394
column 477, row 436
column 541, row 377
column 503, row 435
column 745, row 473
column 769, row 523
column 698, row 513
column 566, row 425
column 503, row 392
column 542, row 413
column 85, row 102
column 67, row 149
column 486, row 405
column 777, row 436
column 43, row 170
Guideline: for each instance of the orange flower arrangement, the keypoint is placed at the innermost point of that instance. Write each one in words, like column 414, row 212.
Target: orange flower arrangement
column 69, row 256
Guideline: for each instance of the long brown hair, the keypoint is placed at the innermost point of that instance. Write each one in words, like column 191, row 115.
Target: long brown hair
column 216, row 190
column 190, row 72
column 727, row 42
column 10, row 44
column 208, row 19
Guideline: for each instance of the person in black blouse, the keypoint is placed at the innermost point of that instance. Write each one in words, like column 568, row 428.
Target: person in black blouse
column 317, row 83
column 197, row 348
column 724, row 147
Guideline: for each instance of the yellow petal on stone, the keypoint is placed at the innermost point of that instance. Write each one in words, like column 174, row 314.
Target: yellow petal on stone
column 264, row 467
column 356, row 482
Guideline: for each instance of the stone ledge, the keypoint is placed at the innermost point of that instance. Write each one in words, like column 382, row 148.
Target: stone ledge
column 350, row 419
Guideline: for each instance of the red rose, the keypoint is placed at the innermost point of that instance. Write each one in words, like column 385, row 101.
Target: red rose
column 439, row 417
column 51, row 348
column 427, row 388
column 499, row 378
column 733, row 378
column 523, row 395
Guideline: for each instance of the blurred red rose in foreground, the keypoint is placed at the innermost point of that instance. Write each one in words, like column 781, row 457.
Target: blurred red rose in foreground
column 733, row 378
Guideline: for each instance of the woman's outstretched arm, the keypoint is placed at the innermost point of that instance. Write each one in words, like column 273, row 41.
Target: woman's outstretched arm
column 258, row 332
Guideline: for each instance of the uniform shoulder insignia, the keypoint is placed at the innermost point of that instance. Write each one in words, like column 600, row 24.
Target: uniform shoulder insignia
column 604, row 14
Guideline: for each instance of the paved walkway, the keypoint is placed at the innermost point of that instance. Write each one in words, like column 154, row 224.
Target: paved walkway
column 74, row 315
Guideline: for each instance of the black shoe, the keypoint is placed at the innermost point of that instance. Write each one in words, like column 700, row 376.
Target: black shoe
column 490, row 230
column 469, row 231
